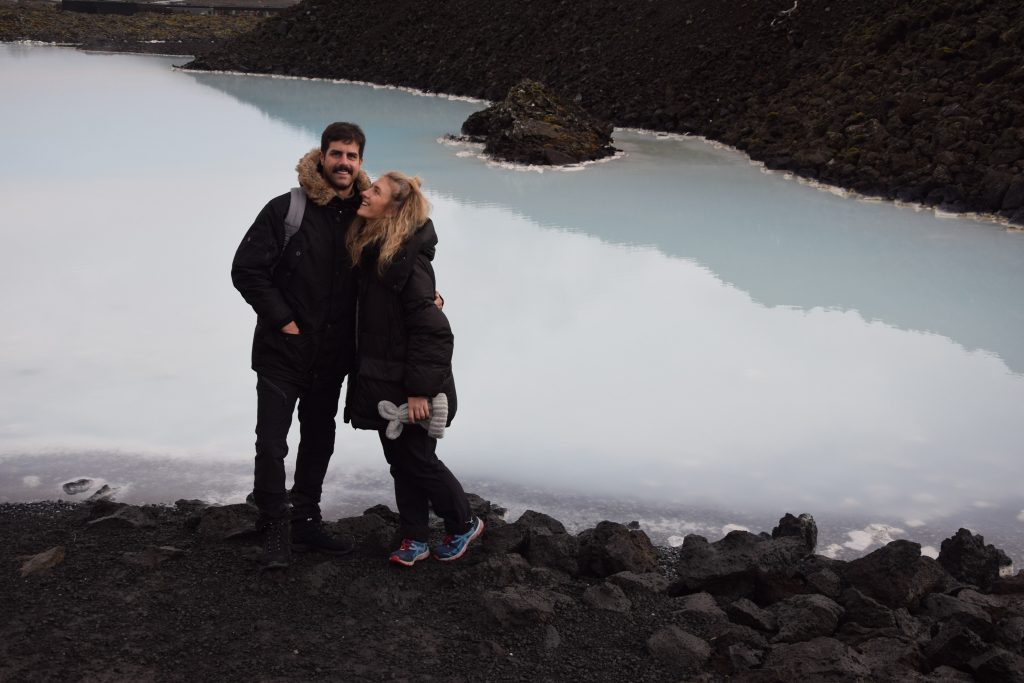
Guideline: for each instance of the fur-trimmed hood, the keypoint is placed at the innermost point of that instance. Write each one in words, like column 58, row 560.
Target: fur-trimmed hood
column 318, row 189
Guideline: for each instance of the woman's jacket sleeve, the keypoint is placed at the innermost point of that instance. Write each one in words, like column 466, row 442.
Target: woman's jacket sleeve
column 430, row 340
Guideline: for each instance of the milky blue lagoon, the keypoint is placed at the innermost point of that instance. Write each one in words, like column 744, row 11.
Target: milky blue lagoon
column 672, row 336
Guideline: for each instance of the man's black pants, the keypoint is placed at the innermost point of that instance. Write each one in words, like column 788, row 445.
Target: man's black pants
column 421, row 482
column 275, row 404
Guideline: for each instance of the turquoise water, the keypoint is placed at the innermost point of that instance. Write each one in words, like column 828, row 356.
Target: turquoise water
column 673, row 336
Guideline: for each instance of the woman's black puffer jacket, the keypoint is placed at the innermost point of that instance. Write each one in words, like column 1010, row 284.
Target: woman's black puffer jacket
column 405, row 343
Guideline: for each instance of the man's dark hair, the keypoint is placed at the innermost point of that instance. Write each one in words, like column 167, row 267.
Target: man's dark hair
column 342, row 131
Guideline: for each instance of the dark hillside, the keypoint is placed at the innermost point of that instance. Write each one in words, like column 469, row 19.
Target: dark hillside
column 918, row 100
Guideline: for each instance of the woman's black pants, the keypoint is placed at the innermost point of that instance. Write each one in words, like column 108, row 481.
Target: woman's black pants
column 421, row 482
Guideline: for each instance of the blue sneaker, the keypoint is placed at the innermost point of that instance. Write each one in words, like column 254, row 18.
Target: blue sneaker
column 410, row 552
column 454, row 547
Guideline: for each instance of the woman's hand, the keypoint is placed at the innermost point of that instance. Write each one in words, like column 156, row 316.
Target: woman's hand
column 419, row 408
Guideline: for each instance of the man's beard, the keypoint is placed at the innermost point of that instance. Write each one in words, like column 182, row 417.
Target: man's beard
column 329, row 177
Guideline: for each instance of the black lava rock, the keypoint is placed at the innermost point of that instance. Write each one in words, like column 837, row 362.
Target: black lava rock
column 534, row 126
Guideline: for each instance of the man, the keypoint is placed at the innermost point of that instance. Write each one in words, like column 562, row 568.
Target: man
column 303, row 291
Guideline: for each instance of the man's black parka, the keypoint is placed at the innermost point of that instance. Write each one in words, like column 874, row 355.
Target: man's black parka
column 312, row 283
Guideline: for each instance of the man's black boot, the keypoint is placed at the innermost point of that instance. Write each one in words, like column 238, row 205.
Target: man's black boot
column 277, row 544
column 308, row 535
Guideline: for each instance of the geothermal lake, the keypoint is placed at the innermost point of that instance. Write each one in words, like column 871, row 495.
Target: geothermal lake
column 673, row 336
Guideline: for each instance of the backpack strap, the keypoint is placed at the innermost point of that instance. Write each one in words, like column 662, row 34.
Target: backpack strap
column 293, row 221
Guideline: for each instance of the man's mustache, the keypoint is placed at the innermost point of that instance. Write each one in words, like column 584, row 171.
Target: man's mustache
column 342, row 167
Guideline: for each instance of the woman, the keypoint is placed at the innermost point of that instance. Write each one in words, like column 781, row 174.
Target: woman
column 405, row 352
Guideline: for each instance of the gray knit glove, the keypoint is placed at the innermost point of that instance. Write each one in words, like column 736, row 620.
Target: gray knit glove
column 398, row 417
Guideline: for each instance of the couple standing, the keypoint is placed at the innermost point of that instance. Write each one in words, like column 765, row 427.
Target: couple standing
column 342, row 256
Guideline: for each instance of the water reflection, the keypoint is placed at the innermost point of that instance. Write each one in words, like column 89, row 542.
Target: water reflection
column 672, row 335
column 765, row 235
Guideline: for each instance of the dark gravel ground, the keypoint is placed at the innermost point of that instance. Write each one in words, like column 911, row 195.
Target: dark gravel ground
column 156, row 593
column 210, row 614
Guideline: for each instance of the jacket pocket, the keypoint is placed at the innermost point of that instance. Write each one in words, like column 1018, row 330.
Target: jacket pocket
column 290, row 351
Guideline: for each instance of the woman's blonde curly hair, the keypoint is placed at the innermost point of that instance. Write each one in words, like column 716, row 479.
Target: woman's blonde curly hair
column 391, row 232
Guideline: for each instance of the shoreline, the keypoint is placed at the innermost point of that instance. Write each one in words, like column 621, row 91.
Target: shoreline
column 844, row 534
column 837, row 190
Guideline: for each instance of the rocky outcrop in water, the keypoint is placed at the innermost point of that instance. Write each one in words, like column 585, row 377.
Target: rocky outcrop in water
column 534, row 126
column 916, row 100
column 529, row 601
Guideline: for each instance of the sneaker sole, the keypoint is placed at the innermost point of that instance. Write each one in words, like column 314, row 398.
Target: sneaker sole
column 465, row 547
column 397, row 560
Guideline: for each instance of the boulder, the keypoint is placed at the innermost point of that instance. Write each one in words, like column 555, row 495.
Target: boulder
column 104, row 492
column 532, row 125
column 802, row 528
column 820, row 659
column 223, row 522
column 1010, row 633
column 518, row 606
column 700, row 615
column 989, row 603
column 73, row 488
column 610, row 548
column 632, row 582
column 127, row 517
column 886, row 656
column 537, row 522
column 608, row 597
column 384, row 512
column 544, row 543
column 93, row 510
column 510, row 538
column 825, row 582
column 954, row 645
column 743, row 657
column 966, row 557
column 190, row 505
column 896, row 574
column 742, row 562
column 942, row 608
column 998, row 666
column 555, row 551
column 746, row 613
column 40, row 562
column 492, row 515
column 860, row 609
column 725, row 634
column 803, row 617
column 674, row 647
